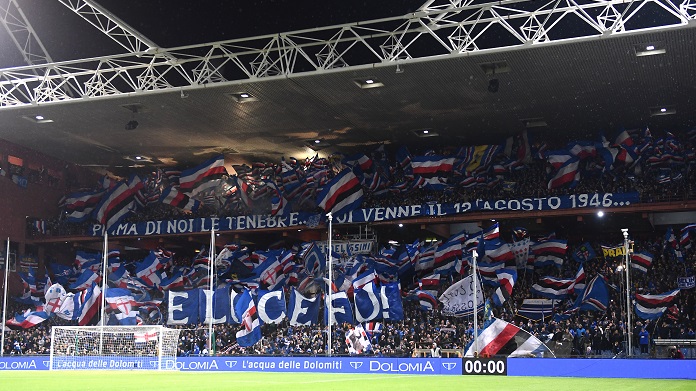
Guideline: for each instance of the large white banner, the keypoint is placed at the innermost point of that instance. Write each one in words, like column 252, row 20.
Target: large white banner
column 458, row 299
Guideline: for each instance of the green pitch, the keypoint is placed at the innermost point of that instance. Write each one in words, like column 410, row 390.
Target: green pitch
column 219, row 381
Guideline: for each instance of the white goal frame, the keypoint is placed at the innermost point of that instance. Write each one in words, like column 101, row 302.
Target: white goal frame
column 113, row 348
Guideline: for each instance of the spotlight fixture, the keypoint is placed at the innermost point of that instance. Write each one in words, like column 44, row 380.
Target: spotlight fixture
column 37, row 118
column 367, row 83
column 132, row 124
column 649, row 49
column 316, row 145
column 425, row 133
column 600, row 214
column 139, row 159
column 242, row 97
column 662, row 110
column 493, row 85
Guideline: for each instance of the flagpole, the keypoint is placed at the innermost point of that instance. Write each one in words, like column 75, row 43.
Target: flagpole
column 330, row 289
column 628, row 293
column 474, row 256
column 4, row 300
column 105, row 261
column 211, row 272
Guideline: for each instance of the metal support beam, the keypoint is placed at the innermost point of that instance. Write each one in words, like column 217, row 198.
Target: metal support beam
column 439, row 29
column 109, row 24
column 22, row 34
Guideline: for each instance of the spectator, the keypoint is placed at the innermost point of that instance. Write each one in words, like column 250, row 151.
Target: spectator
column 435, row 351
column 644, row 341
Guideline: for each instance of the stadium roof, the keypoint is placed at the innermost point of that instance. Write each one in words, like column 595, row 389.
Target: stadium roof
column 468, row 72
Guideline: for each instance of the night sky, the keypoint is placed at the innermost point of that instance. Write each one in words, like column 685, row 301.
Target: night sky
column 171, row 23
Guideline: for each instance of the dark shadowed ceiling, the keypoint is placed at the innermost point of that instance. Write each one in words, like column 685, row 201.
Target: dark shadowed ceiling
column 577, row 88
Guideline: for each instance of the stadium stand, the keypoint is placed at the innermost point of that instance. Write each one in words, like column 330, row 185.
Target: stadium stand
column 415, row 223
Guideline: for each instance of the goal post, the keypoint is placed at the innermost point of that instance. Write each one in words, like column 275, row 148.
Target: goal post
column 113, row 347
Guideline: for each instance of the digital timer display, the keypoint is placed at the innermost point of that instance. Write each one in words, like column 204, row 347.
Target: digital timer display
column 484, row 366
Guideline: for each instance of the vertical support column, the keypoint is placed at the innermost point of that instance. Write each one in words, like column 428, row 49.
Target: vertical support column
column 330, row 293
column 627, row 257
column 4, row 300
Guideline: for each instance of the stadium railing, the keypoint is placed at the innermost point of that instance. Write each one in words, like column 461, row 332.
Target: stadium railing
column 687, row 346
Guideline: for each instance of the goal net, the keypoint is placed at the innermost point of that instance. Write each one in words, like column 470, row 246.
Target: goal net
column 113, row 347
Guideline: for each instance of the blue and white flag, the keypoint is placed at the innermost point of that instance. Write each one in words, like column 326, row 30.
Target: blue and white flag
column 61, row 273
column 367, row 303
column 219, row 302
column 122, row 304
column 85, row 280
column 85, row 260
column 342, row 309
column 314, row 260
column 302, row 311
column 343, row 194
column 70, row 306
column 271, row 306
column 536, row 309
column 506, row 280
column 392, row 307
column 183, row 307
column 28, row 319
column 653, row 306
column 205, row 176
column 245, row 308
column 596, row 296
column 552, row 287
column 584, row 253
column 90, row 305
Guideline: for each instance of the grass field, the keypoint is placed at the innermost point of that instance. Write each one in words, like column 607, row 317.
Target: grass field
column 218, row 381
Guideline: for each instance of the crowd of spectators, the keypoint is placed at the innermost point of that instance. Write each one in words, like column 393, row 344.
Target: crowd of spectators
column 655, row 182
column 583, row 334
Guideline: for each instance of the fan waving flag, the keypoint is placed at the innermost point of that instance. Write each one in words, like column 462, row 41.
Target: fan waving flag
column 431, row 165
column 117, row 204
column 568, row 174
column 79, row 206
column 596, row 296
column 172, row 196
column 506, row 278
column 121, row 302
column 641, row 261
column 205, row 176
column 552, row 287
column 251, row 333
column 343, row 194
column 653, row 306
column 85, row 280
column 501, row 338
column 90, row 306
column 584, row 253
column 28, row 319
